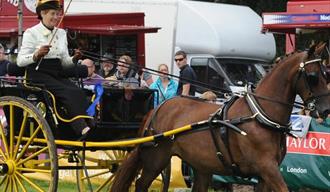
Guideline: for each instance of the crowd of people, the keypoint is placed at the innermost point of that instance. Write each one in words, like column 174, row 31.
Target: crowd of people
column 125, row 74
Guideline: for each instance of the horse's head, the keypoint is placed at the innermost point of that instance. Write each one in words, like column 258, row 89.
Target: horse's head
column 311, row 82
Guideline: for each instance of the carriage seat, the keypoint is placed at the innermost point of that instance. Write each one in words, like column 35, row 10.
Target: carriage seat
column 80, row 71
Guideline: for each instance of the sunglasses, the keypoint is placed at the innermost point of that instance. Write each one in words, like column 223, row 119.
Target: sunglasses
column 180, row 59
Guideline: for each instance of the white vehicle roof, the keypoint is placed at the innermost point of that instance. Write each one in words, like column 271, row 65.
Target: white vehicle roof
column 222, row 30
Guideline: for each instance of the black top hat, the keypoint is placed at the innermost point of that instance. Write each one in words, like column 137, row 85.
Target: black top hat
column 47, row 4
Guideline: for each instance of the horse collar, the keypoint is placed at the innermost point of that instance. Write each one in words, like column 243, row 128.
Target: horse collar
column 261, row 116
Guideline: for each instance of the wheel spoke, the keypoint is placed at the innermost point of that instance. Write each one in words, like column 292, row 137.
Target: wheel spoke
column 20, row 183
column 11, row 132
column 32, row 156
column 10, row 183
column 2, row 154
column 108, row 154
column 33, row 170
column 14, row 183
column 96, row 174
column 115, row 152
column 4, row 139
column 105, row 183
column 3, row 180
column 7, row 183
column 28, row 143
column 30, row 182
column 111, row 155
column 21, row 132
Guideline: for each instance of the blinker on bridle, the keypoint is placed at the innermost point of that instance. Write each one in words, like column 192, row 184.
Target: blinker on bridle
column 310, row 79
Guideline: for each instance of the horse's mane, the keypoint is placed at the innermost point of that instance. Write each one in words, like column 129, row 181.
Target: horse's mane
column 285, row 57
column 280, row 61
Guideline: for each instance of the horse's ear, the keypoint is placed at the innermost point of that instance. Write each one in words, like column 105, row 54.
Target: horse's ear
column 311, row 50
column 319, row 48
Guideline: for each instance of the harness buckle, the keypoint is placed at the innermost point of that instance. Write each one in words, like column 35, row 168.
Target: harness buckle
column 311, row 105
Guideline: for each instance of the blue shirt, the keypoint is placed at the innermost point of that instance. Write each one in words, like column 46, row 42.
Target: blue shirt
column 164, row 93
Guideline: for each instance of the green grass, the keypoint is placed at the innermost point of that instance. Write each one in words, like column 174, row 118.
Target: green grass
column 72, row 187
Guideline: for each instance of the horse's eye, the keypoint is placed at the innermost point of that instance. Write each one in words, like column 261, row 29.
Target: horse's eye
column 313, row 78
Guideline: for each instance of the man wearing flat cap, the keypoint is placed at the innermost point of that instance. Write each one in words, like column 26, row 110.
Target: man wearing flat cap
column 44, row 53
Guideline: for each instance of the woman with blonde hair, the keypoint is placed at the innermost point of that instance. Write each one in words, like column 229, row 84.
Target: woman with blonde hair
column 166, row 86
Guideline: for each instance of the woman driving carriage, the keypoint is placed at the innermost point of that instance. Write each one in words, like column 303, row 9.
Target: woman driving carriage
column 44, row 53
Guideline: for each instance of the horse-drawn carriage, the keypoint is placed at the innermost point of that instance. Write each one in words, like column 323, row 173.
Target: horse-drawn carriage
column 37, row 141
column 245, row 137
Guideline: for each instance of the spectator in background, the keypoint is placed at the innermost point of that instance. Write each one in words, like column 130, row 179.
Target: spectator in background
column 186, row 73
column 307, row 113
column 92, row 78
column 3, row 61
column 126, row 74
column 166, row 86
column 107, row 67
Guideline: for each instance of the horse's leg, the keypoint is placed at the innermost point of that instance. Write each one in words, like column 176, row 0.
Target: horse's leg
column 261, row 186
column 273, row 179
column 154, row 161
column 201, row 181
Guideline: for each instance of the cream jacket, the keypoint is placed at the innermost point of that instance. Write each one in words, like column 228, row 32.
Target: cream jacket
column 38, row 35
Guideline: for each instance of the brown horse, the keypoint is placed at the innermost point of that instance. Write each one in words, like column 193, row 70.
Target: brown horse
column 259, row 153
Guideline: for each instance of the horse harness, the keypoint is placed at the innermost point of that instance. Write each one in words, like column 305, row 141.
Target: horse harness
column 311, row 79
column 220, row 117
column 259, row 114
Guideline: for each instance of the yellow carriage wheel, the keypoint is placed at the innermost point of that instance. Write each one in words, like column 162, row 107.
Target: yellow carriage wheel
column 25, row 165
column 100, row 167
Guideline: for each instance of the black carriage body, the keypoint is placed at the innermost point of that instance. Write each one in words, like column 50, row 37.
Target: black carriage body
column 118, row 115
column 122, row 111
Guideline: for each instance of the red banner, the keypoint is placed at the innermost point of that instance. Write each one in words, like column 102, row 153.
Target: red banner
column 315, row 143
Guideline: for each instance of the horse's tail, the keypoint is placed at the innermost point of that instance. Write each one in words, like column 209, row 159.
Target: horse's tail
column 127, row 172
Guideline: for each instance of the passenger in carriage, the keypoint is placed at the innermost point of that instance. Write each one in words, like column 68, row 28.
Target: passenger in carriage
column 108, row 69
column 166, row 86
column 45, row 60
column 93, row 78
column 126, row 74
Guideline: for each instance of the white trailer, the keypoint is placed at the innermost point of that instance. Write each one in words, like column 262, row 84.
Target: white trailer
column 215, row 36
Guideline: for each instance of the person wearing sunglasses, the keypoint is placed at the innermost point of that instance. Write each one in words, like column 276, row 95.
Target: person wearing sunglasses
column 187, row 75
